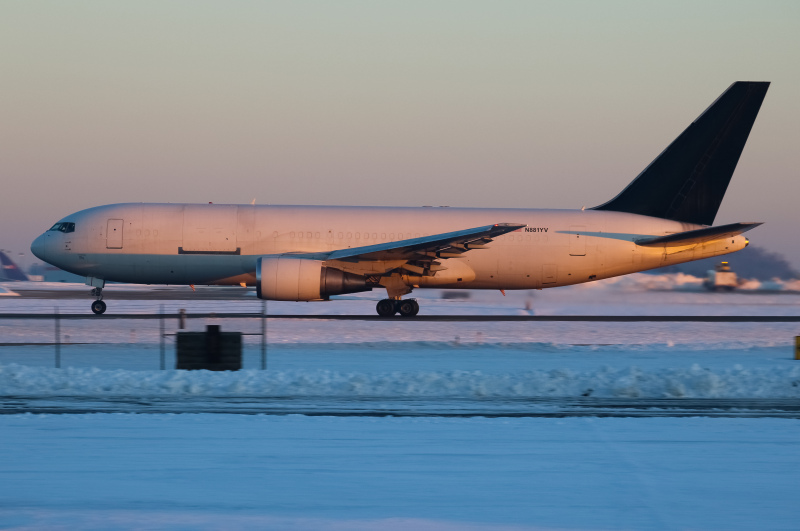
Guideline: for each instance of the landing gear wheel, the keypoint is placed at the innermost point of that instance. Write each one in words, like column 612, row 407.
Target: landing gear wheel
column 408, row 308
column 98, row 307
column 386, row 308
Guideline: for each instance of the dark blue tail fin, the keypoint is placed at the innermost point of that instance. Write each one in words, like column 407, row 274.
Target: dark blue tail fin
column 687, row 181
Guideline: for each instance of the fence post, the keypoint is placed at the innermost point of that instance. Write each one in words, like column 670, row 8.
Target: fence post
column 58, row 339
column 161, row 336
column 263, row 335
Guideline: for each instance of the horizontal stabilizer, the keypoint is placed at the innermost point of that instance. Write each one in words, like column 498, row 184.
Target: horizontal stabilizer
column 698, row 236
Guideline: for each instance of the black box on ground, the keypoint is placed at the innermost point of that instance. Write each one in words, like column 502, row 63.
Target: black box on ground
column 211, row 350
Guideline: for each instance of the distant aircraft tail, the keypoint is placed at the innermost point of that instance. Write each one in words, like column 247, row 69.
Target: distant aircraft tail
column 688, row 180
column 9, row 270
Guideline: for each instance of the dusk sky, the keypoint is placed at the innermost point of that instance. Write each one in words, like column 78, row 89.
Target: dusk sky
column 494, row 104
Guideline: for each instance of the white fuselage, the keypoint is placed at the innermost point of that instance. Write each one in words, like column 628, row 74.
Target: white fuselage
column 220, row 244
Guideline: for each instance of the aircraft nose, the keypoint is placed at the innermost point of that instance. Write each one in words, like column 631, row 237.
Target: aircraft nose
column 38, row 247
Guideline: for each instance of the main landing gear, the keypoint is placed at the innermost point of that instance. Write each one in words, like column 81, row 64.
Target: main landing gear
column 389, row 307
column 98, row 306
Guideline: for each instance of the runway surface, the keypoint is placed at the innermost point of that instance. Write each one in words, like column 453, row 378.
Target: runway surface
column 171, row 293
column 422, row 318
column 185, row 293
column 411, row 407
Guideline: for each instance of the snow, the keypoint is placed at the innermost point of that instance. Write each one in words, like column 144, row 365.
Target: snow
column 775, row 380
column 399, row 359
column 322, row 473
column 228, row 471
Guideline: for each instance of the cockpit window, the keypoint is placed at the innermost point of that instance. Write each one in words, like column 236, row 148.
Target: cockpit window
column 64, row 227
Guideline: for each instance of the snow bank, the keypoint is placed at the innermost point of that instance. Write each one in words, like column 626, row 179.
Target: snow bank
column 684, row 282
column 775, row 284
column 692, row 382
column 646, row 281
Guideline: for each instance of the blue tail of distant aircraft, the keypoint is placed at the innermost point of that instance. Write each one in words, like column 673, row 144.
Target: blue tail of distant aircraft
column 9, row 270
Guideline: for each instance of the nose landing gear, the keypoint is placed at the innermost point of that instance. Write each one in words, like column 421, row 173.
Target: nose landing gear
column 98, row 306
column 389, row 307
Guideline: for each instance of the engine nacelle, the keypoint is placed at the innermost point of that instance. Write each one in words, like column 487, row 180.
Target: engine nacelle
column 285, row 278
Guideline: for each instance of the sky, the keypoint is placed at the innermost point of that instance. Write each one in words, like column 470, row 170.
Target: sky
column 461, row 103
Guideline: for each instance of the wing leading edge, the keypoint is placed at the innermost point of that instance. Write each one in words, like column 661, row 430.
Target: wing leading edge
column 445, row 245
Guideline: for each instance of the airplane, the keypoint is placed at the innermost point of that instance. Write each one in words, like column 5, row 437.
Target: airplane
column 9, row 270
column 664, row 216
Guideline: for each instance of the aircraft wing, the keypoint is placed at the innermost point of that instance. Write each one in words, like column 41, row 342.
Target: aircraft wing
column 445, row 245
column 416, row 255
column 698, row 236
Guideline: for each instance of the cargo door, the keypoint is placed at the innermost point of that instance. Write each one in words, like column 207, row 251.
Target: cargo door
column 114, row 234
column 577, row 240
column 209, row 229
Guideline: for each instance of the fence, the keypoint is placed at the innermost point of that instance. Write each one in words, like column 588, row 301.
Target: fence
column 181, row 318
column 255, row 324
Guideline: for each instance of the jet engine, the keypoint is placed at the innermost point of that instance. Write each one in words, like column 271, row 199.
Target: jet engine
column 285, row 278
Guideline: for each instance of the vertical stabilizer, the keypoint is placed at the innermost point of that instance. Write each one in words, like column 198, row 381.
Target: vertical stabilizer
column 9, row 270
column 688, row 180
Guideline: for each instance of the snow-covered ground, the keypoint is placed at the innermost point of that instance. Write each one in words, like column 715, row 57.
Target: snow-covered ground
column 418, row 369
column 397, row 358
column 322, row 473
column 225, row 471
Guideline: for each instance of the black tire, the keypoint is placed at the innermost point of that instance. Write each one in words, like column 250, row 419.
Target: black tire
column 408, row 308
column 386, row 308
column 98, row 307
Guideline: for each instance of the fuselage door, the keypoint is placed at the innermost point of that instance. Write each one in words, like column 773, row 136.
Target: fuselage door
column 577, row 240
column 114, row 234
column 210, row 229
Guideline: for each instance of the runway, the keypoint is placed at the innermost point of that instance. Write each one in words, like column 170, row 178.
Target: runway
column 171, row 293
column 412, row 407
column 419, row 318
